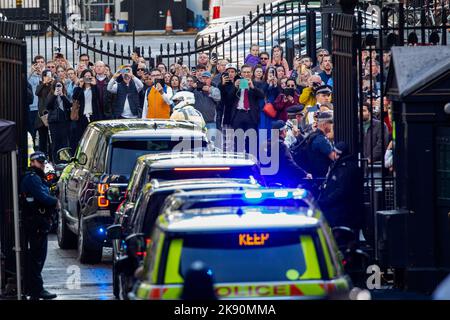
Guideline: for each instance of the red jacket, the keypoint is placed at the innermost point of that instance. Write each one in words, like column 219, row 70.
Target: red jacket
column 282, row 105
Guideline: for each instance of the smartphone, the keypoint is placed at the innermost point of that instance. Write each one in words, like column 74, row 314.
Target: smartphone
column 243, row 84
column 214, row 56
column 87, row 80
column 295, row 123
column 289, row 92
column 180, row 61
column 272, row 72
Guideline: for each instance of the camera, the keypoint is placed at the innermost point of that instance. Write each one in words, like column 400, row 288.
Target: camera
column 289, row 92
column 87, row 80
column 160, row 81
column 58, row 86
column 315, row 85
column 200, row 85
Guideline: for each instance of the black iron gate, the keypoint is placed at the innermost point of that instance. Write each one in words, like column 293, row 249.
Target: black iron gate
column 12, row 107
column 361, row 44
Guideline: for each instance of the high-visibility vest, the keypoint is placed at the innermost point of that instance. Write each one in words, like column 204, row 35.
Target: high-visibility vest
column 157, row 107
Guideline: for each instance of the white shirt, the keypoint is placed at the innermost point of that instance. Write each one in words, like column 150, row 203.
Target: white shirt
column 87, row 101
column 240, row 105
column 127, row 111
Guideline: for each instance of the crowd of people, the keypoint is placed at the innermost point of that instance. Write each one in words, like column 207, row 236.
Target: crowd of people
column 266, row 92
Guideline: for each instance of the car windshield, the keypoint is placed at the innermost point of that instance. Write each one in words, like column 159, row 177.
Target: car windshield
column 251, row 256
column 241, row 172
column 125, row 152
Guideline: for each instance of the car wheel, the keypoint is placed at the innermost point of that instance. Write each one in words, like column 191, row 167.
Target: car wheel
column 66, row 238
column 123, row 284
column 116, row 288
column 87, row 254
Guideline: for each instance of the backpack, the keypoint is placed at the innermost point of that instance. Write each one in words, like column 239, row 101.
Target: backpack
column 300, row 151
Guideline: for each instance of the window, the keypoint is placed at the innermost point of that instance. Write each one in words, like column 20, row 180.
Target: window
column 242, row 257
column 89, row 145
column 243, row 172
column 125, row 153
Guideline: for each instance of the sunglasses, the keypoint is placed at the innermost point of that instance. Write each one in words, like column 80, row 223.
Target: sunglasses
column 264, row 58
column 140, row 69
column 291, row 86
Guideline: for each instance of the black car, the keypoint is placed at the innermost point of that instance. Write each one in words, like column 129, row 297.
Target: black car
column 139, row 220
column 104, row 160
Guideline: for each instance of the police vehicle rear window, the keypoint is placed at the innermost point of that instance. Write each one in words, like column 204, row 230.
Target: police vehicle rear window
column 251, row 256
column 125, row 152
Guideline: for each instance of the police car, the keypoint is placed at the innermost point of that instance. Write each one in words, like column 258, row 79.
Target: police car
column 256, row 244
column 139, row 220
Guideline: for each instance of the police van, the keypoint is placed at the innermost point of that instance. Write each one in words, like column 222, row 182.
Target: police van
column 256, row 244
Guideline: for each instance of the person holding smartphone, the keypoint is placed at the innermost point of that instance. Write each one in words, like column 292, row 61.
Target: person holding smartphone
column 34, row 79
column 42, row 91
column 58, row 106
column 287, row 98
column 158, row 97
column 245, row 114
column 86, row 93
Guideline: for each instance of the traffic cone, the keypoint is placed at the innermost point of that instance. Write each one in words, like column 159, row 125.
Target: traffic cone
column 169, row 25
column 107, row 26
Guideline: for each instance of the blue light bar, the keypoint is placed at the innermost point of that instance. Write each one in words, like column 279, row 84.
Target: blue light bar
column 253, row 195
column 281, row 194
column 301, row 193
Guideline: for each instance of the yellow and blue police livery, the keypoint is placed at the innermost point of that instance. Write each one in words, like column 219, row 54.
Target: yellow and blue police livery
column 256, row 244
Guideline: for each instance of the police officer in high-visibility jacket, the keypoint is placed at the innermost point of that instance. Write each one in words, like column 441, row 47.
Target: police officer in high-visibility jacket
column 38, row 205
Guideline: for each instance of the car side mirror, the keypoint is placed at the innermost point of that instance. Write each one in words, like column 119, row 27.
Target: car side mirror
column 64, row 155
column 82, row 158
column 135, row 245
column 113, row 194
column 114, row 232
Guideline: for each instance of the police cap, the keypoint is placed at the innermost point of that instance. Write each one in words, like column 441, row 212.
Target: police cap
column 293, row 110
column 279, row 125
column 325, row 89
column 39, row 156
column 326, row 116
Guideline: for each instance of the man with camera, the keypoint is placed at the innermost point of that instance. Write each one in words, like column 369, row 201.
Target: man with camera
column 37, row 205
column 34, row 79
column 157, row 99
column 207, row 98
column 127, row 87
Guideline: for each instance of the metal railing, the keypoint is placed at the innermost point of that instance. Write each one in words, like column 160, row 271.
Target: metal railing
column 285, row 24
column 12, row 93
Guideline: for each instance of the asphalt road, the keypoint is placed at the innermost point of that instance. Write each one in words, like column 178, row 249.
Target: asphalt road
column 70, row 280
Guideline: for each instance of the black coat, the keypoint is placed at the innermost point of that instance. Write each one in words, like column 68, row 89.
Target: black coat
column 375, row 135
column 288, row 173
column 341, row 196
column 78, row 94
column 55, row 114
column 42, row 92
column 230, row 97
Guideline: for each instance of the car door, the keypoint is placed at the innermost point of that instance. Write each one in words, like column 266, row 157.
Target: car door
column 79, row 187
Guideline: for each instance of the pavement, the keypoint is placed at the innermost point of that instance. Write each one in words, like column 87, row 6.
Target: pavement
column 70, row 280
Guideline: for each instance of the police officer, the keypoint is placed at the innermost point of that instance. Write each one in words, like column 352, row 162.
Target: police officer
column 294, row 124
column 341, row 197
column 288, row 173
column 320, row 150
column 38, row 205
